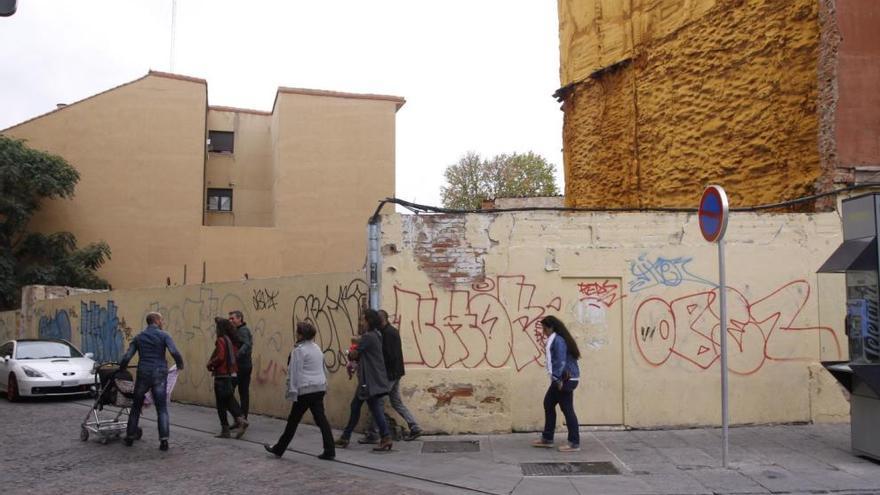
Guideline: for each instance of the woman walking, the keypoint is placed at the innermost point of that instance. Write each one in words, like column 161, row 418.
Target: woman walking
column 372, row 383
column 562, row 354
column 224, row 367
column 306, row 386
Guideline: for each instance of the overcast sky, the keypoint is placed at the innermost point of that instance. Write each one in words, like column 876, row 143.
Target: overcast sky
column 477, row 74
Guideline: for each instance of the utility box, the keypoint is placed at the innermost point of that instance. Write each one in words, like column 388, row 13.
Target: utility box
column 858, row 258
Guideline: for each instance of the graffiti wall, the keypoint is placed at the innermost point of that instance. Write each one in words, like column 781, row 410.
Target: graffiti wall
column 639, row 293
column 104, row 324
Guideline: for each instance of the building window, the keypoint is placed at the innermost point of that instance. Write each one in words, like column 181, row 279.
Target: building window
column 221, row 141
column 219, row 199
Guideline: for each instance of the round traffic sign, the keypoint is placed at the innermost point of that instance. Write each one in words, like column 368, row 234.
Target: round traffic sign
column 713, row 213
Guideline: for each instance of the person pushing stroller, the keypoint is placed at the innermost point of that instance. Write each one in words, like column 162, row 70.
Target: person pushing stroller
column 152, row 374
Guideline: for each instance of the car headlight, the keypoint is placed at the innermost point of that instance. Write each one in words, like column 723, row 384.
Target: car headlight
column 32, row 372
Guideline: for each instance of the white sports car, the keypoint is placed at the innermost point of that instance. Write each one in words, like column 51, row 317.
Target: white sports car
column 37, row 367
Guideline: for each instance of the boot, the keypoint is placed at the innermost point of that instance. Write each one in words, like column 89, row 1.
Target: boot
column 384, row 445
column 224, row 433
column 242, row 425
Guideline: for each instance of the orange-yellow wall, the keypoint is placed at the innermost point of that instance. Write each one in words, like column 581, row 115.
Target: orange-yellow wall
column 247, row 171
column 139, row 150
column 306, row 178
column 667, row 96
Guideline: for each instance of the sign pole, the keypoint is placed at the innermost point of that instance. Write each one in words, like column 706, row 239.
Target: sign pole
column 722, row 289
column 713, row 225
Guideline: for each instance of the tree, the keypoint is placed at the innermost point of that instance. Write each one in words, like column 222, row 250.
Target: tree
column 27, row 177
column 474, row 179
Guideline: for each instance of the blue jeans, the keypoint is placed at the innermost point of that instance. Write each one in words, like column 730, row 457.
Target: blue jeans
column 153, row 380
column 375, row 405
column 565, row 399
column 398, row 405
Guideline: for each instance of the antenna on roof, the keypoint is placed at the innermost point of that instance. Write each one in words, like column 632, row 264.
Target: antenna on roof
column 173, row 29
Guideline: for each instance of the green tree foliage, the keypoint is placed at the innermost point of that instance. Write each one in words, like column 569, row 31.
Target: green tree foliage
column 27, row 177
column 474, row 179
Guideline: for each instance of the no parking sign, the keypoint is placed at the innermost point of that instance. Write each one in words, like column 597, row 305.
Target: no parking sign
column 713, row 213
column 713, row 223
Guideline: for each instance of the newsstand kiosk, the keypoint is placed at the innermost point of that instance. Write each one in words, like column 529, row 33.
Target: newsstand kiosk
column 859, row 259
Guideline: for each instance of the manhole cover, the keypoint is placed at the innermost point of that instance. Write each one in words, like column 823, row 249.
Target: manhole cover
column 443, row 447
column 567, row 468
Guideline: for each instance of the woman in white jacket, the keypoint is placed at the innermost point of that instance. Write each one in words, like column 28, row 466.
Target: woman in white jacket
column 306, row 386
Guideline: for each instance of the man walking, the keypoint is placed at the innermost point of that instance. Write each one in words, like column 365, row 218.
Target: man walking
column 245, row 364
column 152, row 374
column 392, row 351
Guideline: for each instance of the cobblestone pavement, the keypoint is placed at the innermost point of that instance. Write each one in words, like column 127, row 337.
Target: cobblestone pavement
column 42, row 453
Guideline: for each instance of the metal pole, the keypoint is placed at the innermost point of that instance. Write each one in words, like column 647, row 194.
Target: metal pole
column 373, row 262
column 173, row 32
column 722, row 283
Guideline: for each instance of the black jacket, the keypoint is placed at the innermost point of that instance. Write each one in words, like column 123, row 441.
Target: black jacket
column 392, row 351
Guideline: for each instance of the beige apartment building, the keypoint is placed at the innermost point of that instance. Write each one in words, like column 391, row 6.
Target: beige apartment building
column 185, row 192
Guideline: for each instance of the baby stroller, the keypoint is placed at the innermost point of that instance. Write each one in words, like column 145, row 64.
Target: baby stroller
column 115, row 390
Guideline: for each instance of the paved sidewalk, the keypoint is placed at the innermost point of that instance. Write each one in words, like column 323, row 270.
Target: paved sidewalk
column 763, row 459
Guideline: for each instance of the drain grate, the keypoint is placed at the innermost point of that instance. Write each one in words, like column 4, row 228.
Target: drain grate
column 567, row 468
column 447, row 446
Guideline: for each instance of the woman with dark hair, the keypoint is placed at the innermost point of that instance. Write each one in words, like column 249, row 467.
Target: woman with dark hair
column 224, row 367
column 562, row 354
column 372, row 382
column 306, row 386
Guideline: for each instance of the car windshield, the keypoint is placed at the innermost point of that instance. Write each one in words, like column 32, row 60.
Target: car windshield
column 45, row 350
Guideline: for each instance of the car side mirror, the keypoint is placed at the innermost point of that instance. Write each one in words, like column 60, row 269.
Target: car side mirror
column 90, row 355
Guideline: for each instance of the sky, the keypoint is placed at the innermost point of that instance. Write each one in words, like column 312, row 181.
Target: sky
column 477, row 75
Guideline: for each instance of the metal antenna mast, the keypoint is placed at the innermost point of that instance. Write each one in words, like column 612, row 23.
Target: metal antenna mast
column 173, row 32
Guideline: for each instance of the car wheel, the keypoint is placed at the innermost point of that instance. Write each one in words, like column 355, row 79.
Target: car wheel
column 12, row 389
column 84, row 434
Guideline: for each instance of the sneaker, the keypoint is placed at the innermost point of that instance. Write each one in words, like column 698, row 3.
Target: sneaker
column 163, row 445
column 542, row 443
column 569, row 448
column 367, row 439
column 413, row 434
column 128, row 441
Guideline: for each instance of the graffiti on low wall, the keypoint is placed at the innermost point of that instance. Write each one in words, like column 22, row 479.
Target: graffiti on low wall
column 686, row 328
column 56, row 326
column 99, row 331
column 335, row 314
column 492, row 323
column 661, row 272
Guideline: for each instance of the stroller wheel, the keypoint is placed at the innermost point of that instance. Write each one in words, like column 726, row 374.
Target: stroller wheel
column 139, row 434
column 84, row 434
column 103, row 440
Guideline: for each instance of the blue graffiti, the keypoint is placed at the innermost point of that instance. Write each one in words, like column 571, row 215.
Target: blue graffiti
column 667, row 272
column 56, row 327
column 99, row 330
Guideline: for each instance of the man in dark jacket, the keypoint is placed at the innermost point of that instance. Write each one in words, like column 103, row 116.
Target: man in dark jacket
column 392, row 351
column 245, row 364
column 152, row 374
